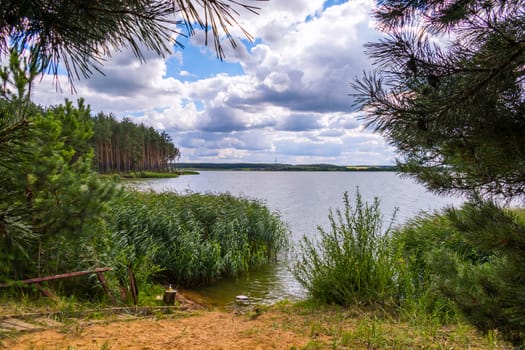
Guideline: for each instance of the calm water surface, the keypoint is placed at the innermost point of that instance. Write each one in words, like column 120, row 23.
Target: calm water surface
column 303, row 200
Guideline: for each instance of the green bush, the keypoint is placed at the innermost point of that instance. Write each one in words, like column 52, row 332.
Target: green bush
column 490, row 289
column 352, row 262
column 50, row 199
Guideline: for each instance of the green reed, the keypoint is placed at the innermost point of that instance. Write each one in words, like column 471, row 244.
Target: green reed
column 194, row 239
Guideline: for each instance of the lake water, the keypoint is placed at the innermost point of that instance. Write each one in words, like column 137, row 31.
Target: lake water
column 303, row 199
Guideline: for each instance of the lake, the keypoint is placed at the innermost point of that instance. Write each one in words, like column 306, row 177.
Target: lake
column 303, row 200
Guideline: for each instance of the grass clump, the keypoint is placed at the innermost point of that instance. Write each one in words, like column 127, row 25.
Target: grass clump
column 192, row 239
column 352, row 262
column 358, row 262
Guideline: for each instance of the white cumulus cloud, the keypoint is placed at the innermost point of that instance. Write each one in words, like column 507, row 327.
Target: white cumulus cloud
column 291, row 101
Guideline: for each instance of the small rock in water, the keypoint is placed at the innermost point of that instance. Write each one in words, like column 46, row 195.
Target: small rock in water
column 242, row 299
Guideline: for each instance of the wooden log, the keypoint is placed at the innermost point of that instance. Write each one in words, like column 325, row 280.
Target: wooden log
column 36, row 281
column 56, row 277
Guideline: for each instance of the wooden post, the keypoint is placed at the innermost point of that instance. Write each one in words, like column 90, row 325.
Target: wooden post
column 169, row 296
column 104, row 284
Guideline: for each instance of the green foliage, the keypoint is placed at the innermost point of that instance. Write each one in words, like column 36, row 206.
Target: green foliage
column 150, row 175
column 15, row 232
column 122, row 146
column 131, row 257
column 192, row 239
column 64, row 195
column 415, row 243
column 79, row 34
column 50, row 199
column 489, row 290
column 452, row 108
column 474, row 257
column 351, row 263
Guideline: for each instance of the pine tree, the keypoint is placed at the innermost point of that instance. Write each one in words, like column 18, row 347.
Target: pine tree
column 51, row 200
column 16, row 235
column 67, row 197
column 80, row 34
column 449, row 95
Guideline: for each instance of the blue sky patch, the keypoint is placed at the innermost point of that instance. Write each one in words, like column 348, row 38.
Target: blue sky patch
column 135, row 114
column 330, row 3
column 199, row 106
column 200, row 63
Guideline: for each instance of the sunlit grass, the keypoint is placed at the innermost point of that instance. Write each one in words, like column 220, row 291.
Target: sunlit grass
column 320, row 326
column 336, row 327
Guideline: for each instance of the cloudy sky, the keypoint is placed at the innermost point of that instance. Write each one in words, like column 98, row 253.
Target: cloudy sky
column 284, row 97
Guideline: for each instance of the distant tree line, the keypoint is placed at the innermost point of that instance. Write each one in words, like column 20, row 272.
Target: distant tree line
column 124, row 146
column 282, row 167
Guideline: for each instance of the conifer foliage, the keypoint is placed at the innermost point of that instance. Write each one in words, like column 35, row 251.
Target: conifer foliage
column 488, row 289
column 471, row 257
column 50, row 198
column 80, row 34
column 450, row 94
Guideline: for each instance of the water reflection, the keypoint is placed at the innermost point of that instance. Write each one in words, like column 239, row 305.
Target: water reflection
column 266, row 286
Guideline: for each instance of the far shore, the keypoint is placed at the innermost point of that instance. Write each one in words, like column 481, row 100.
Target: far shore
column 281, row 167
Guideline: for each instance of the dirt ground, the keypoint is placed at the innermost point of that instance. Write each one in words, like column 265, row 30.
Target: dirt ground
column 206, row 330
column 195, row 328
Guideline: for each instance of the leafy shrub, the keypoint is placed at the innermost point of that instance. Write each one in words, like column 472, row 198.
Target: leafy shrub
column 352, row 262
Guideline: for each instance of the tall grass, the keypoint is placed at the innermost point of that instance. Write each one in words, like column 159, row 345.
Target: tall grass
column 352, row 262
column 359, row 262
column 416, row 244
column 192, row 239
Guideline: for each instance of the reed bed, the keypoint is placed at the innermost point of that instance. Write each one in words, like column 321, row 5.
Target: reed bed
column 193, row 239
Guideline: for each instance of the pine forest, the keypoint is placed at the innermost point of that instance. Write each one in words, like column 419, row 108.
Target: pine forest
column 125, row 146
